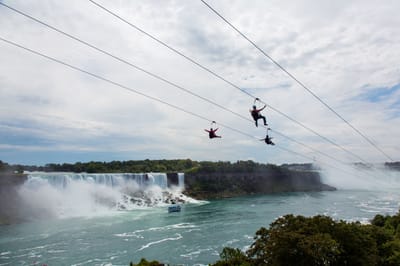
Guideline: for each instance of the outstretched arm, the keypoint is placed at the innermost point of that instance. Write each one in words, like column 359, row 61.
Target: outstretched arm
column 207, row 130
column 263, row 107
column 215, row 129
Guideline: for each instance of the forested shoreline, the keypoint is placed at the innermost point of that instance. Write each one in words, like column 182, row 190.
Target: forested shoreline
column 131, row 166
column 167, row 166
column 144, row 166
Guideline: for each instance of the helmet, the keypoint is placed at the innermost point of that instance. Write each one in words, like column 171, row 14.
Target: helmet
column 254, row 107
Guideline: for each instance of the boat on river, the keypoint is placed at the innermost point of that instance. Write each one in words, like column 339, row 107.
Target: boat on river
column 174, row 208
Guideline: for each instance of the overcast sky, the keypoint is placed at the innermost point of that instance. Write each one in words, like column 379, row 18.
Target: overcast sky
column 346, row 52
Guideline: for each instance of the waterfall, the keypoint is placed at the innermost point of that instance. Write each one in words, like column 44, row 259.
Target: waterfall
column 84, row 194
column 181, row 180
column 143, row 180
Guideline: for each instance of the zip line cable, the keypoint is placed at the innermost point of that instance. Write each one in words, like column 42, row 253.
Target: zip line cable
column 221, row 78
column 129, row 89
column 304, row 145
column 174, row 84
column 312, row 159
column 318, row 134
column 317, row 151
column 121, row 86
column 296, row 80
column 120, row 59
column 154, row 98
column 170, row 47
column 233, row 85
column 118, row 84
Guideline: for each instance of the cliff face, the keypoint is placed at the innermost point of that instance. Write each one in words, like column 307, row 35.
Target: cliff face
column 220, row 184
column 11, row 179
column 9, row 198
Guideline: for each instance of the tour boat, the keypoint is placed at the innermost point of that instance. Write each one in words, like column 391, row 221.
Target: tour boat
column 174, row 208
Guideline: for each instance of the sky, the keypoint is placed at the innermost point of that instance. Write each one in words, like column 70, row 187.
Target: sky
column 346, row 52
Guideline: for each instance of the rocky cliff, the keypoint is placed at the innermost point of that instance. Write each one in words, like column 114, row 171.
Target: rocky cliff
column 275, row 179
column 9, row 198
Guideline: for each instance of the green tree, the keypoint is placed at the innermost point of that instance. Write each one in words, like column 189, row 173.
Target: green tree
column 144, row 262
column 233, row 257
column 3, row 166
column 297, row 240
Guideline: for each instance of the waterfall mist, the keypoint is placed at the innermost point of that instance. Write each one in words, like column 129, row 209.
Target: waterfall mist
column 362, row 178
column 61, row 195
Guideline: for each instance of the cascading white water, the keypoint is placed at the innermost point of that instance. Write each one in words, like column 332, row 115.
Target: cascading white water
column 71, row 194
column 181, row 180
column 62, row 180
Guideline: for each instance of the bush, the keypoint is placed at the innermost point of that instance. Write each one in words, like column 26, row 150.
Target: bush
column 319, row 240
column 144, row 262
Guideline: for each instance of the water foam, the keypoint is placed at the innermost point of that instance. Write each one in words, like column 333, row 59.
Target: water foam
column 178, row 236
column 62, row 195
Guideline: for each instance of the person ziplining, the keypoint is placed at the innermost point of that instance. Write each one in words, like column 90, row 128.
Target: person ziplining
column 211, row 132
column 268, row 139
column 255, row 113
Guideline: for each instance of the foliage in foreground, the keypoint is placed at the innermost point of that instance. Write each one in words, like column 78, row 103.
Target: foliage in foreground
column 319, row 240
column 144, row 262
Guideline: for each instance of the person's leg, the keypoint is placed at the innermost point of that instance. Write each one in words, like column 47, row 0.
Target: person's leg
column 265, row 121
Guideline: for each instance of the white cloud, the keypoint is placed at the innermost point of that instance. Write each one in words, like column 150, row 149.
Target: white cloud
column 340, row 49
